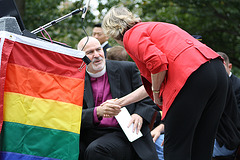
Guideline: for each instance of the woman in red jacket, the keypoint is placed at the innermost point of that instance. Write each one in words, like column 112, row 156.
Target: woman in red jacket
column 184, row 77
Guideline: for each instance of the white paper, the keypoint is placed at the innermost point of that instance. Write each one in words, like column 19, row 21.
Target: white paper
column 123, row 119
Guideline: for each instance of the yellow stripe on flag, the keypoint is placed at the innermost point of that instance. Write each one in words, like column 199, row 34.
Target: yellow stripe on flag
column 42, row 112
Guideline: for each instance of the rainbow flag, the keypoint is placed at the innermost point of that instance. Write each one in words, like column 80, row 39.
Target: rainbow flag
column 41, row 94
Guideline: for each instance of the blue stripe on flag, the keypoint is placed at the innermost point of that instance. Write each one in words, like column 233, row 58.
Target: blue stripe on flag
column 18, row 156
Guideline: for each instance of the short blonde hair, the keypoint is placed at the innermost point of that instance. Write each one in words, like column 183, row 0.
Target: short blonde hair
column 117, row 21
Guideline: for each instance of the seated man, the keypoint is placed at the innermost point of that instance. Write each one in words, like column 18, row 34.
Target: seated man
column 235, row 80
column 228, row 135
column 102, row 138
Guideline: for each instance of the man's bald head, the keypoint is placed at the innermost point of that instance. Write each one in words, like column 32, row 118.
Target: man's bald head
column 83, row 41
column 94, row 52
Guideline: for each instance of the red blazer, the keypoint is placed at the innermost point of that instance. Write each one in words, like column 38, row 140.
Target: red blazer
column 158, row 46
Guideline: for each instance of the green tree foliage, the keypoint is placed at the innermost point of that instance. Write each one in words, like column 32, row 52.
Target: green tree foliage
column 217, row 21
column 69, row 31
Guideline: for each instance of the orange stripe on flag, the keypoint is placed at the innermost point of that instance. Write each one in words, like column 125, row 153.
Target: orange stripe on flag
column 44, row 85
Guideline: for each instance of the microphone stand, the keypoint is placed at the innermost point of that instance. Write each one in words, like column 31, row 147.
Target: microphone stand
column 58, row 20
column 83, row 10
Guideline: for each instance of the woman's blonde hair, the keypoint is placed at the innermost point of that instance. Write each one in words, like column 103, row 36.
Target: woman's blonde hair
column 117, row 21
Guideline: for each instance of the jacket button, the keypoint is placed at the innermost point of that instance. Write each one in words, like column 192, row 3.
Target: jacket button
column 189, row 41
column 149, row 66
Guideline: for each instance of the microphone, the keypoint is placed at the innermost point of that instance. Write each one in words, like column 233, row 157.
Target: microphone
column 85, row 9
column 76, row 11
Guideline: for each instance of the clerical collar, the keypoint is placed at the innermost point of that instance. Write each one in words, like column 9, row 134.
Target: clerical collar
column 104, row 44
column 98, row 74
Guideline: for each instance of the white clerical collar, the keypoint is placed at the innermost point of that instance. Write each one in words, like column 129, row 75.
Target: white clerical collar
column 230, row 74
column 98, row 74
column 104, row 44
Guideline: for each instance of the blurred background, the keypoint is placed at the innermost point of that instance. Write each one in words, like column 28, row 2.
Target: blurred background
column 217, row 21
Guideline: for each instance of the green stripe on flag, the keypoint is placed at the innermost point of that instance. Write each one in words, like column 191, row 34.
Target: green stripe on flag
column 39, row 141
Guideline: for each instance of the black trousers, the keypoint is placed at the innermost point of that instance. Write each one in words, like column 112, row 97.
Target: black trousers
column 192, row 120
column 105, row 145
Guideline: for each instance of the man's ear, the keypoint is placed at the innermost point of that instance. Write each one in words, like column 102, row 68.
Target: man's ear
column 230, row 66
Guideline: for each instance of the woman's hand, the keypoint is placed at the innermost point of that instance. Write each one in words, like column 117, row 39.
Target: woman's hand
column 108, row 110
column 157, row 99
column 157, row 80
column 110, row 101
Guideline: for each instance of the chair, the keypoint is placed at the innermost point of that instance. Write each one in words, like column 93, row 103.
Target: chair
column 237, row 155
column 223, row 158
column 153, row 120
column 156, row 117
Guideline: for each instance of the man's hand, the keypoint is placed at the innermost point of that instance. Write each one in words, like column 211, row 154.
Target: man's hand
column 137, row 122
column 108, row 110
column 157, row 131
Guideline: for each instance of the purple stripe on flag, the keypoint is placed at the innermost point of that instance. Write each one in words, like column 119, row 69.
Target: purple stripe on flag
column 18, row 156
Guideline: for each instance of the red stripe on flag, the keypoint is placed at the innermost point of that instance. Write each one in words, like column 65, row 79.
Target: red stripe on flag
column 6, row 51
column 46, row 61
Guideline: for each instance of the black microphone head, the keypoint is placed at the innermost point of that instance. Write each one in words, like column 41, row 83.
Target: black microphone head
column 86, row 60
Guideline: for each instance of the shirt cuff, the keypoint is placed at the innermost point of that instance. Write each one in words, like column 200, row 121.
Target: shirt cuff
column 155, row 65
column 161, row 68
column 95, row 118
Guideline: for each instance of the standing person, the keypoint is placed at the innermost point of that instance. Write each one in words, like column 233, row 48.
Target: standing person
column 184, row 77
column 102, row 138
column 103, row 39
column 235, row 80
column 228, row 135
